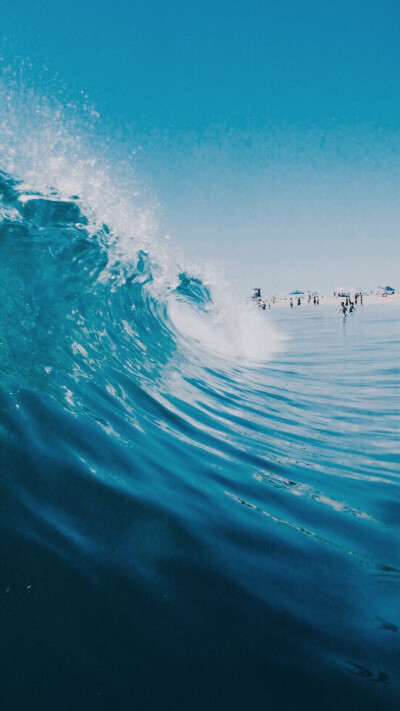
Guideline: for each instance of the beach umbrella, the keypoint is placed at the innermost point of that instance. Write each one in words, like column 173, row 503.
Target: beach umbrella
column 296, row 293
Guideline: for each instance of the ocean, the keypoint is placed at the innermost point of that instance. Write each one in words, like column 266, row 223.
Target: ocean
column 199, row 500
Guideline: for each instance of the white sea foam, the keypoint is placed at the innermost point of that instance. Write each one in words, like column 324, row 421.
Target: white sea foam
column 229, row 329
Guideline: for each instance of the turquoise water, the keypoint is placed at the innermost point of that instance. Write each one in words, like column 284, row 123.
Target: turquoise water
column 200, row 505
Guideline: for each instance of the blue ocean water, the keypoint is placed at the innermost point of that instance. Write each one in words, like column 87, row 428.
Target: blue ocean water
column 199, row 506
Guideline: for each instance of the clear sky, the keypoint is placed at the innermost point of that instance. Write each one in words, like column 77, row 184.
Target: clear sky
column 269, row 130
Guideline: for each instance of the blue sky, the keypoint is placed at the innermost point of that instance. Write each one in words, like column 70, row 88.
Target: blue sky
column 267, row 130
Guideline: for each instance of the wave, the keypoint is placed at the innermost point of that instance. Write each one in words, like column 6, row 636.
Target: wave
column 157, row 441
column 71, row 281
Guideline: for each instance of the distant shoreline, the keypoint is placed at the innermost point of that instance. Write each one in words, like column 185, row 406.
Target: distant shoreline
column 368, row 299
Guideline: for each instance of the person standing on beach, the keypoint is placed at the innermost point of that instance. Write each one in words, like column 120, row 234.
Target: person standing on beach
column 299, row 301
column 291, row 303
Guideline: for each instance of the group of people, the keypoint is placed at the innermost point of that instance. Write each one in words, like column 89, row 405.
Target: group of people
column 310, row 297
column 357, row 297
column 261, row 303
column 343, row 308
column 256, row 298
column 348, row 306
